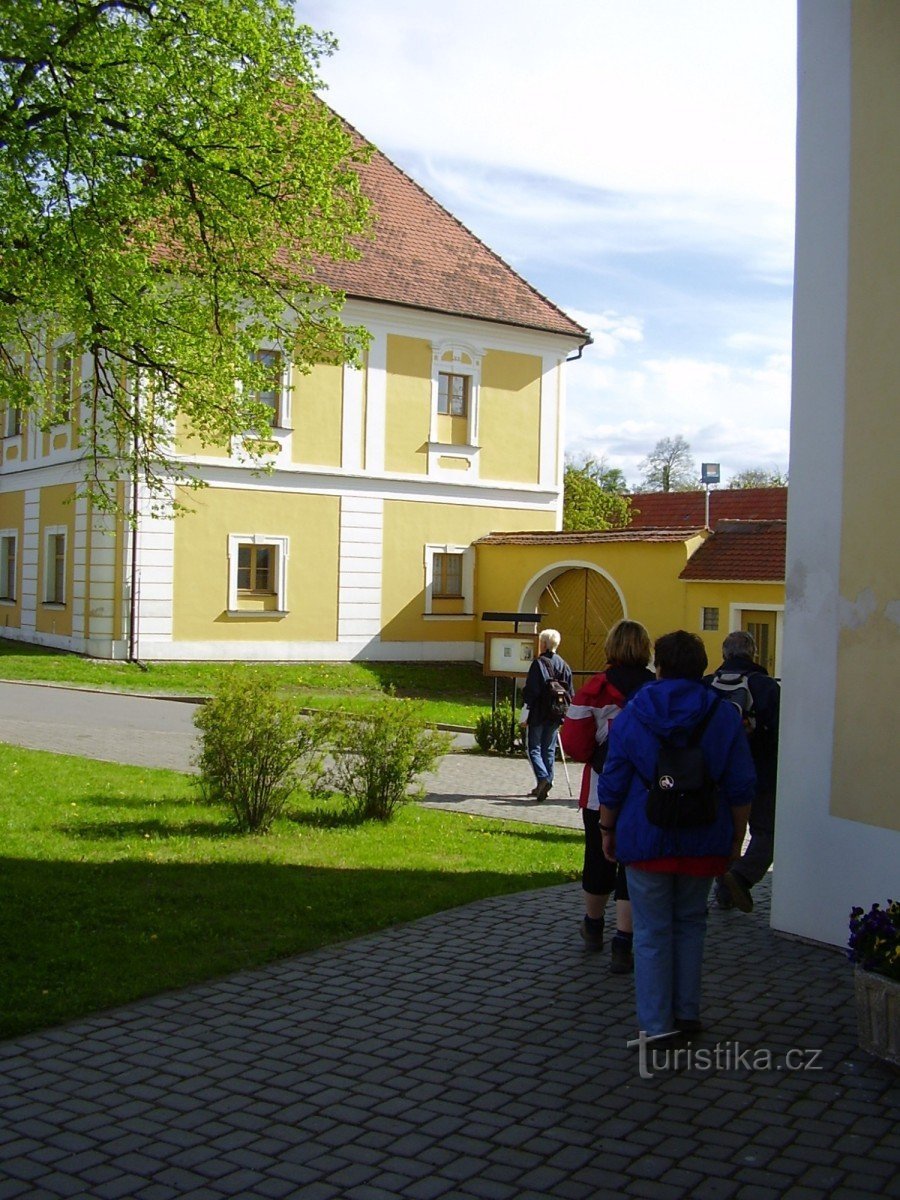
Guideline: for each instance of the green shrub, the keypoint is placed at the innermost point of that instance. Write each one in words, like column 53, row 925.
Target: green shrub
column 256, row 751
column 378, row 756
column 499, row 730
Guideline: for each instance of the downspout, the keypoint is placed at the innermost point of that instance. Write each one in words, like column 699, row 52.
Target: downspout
column 132, row 613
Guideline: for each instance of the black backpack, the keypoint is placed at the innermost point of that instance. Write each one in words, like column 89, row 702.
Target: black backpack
column 554, row 701
column 682, row 793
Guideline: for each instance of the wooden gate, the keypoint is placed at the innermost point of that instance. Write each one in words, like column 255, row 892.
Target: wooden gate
column 583, row 605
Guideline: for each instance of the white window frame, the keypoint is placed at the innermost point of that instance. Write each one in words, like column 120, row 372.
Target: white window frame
column 283, row 397
column 468, row 581
column 282, row 547
column 5, row 584
column 12, row 422
column 455, row 358
column 64, row 346
column 53, row 531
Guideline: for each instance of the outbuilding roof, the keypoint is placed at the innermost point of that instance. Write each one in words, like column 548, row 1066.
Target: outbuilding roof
column 423, row 257
column 673, row 510
column 749, row 551
column 550, row 537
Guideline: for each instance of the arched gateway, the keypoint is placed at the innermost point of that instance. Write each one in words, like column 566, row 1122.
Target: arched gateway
column 583, row 605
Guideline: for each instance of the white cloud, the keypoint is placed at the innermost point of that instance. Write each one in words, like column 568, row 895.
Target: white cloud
column 634, row 161
column 732, row 415
column 609, row 330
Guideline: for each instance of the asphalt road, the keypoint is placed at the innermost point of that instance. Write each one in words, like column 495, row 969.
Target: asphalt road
column 120, row 728
column 145, row 732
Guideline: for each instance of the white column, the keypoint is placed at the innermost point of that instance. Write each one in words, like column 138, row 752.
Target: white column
column 376, row 402
column 361, row 558
column 30, row 557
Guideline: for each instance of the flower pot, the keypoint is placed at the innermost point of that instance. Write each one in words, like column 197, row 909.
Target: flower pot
column 878, row 1015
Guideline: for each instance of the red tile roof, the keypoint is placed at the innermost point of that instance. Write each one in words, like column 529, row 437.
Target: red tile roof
column 750, row 551
column 423, row 257
column 676, row 510
column 550, row 537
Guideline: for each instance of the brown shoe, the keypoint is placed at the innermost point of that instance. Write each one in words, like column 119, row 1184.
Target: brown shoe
column 543, row 790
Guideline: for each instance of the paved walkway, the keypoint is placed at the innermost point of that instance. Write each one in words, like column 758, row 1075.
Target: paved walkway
column 475, row 1053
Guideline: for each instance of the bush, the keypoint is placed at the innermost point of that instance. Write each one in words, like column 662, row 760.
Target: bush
column 499, row 730
column 256, row 751
column 378, row 756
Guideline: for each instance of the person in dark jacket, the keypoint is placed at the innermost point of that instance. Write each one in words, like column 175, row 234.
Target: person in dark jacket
column 669, row 870
column 543, row 728
column 739, row 653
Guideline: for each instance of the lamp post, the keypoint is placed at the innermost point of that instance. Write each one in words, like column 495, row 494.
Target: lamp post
column 709, row 475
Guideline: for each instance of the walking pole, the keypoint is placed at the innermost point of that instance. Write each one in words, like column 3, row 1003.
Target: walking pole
column 565, row 764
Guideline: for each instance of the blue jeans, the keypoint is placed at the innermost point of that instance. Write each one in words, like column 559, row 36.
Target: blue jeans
column 669, row 927
column 542, row 749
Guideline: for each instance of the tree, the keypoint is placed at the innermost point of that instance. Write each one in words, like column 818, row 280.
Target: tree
column 592, row 496
column 755, row 477
column 669, row 467
column 168, row 183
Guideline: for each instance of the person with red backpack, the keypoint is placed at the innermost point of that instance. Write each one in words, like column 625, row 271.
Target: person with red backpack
column 584, row 739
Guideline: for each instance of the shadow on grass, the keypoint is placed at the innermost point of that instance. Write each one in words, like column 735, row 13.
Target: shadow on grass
column 108, row 831
column 78, row 938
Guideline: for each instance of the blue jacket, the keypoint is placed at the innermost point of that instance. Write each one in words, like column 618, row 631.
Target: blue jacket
column 671, row 708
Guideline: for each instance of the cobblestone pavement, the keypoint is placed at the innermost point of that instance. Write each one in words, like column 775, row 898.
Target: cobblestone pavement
column 479, row 1052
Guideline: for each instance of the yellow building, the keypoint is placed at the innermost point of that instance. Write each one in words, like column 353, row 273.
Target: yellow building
column 359, row 543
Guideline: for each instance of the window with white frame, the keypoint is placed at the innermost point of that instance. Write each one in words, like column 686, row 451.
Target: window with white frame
column 62, row 385
column 257, row 573
column 448, row 572
column 9, row 543
column 453, row 394
column 455, row 381
column 449, row 581
column 275, row 395
column 55, row 564
column 12, row 422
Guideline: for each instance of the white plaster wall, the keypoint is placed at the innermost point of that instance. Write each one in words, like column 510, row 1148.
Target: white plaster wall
column 824, row 864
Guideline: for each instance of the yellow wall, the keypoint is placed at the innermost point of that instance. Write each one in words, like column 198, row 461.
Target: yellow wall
column 201, row 564
column 722, row 596
column 869, row 641
column 12, row 512
column 56, row 509
column 408, row 528
column 407, row 405
column 510, row 417
column 316, row 413
column 645, row 572
column 192, row 445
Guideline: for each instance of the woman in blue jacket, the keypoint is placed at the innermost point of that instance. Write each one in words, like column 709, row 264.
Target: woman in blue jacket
column 669, row 870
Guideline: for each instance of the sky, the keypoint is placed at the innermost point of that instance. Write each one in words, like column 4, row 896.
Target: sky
column 634, row 161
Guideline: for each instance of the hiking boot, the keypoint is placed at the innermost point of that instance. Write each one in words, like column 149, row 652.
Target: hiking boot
column 543, row 790
column 593, row 938
column 738, row 890
column 621, row 957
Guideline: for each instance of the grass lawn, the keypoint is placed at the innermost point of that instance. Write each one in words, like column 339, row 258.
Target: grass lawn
column 118, row 883
column 452, row 693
